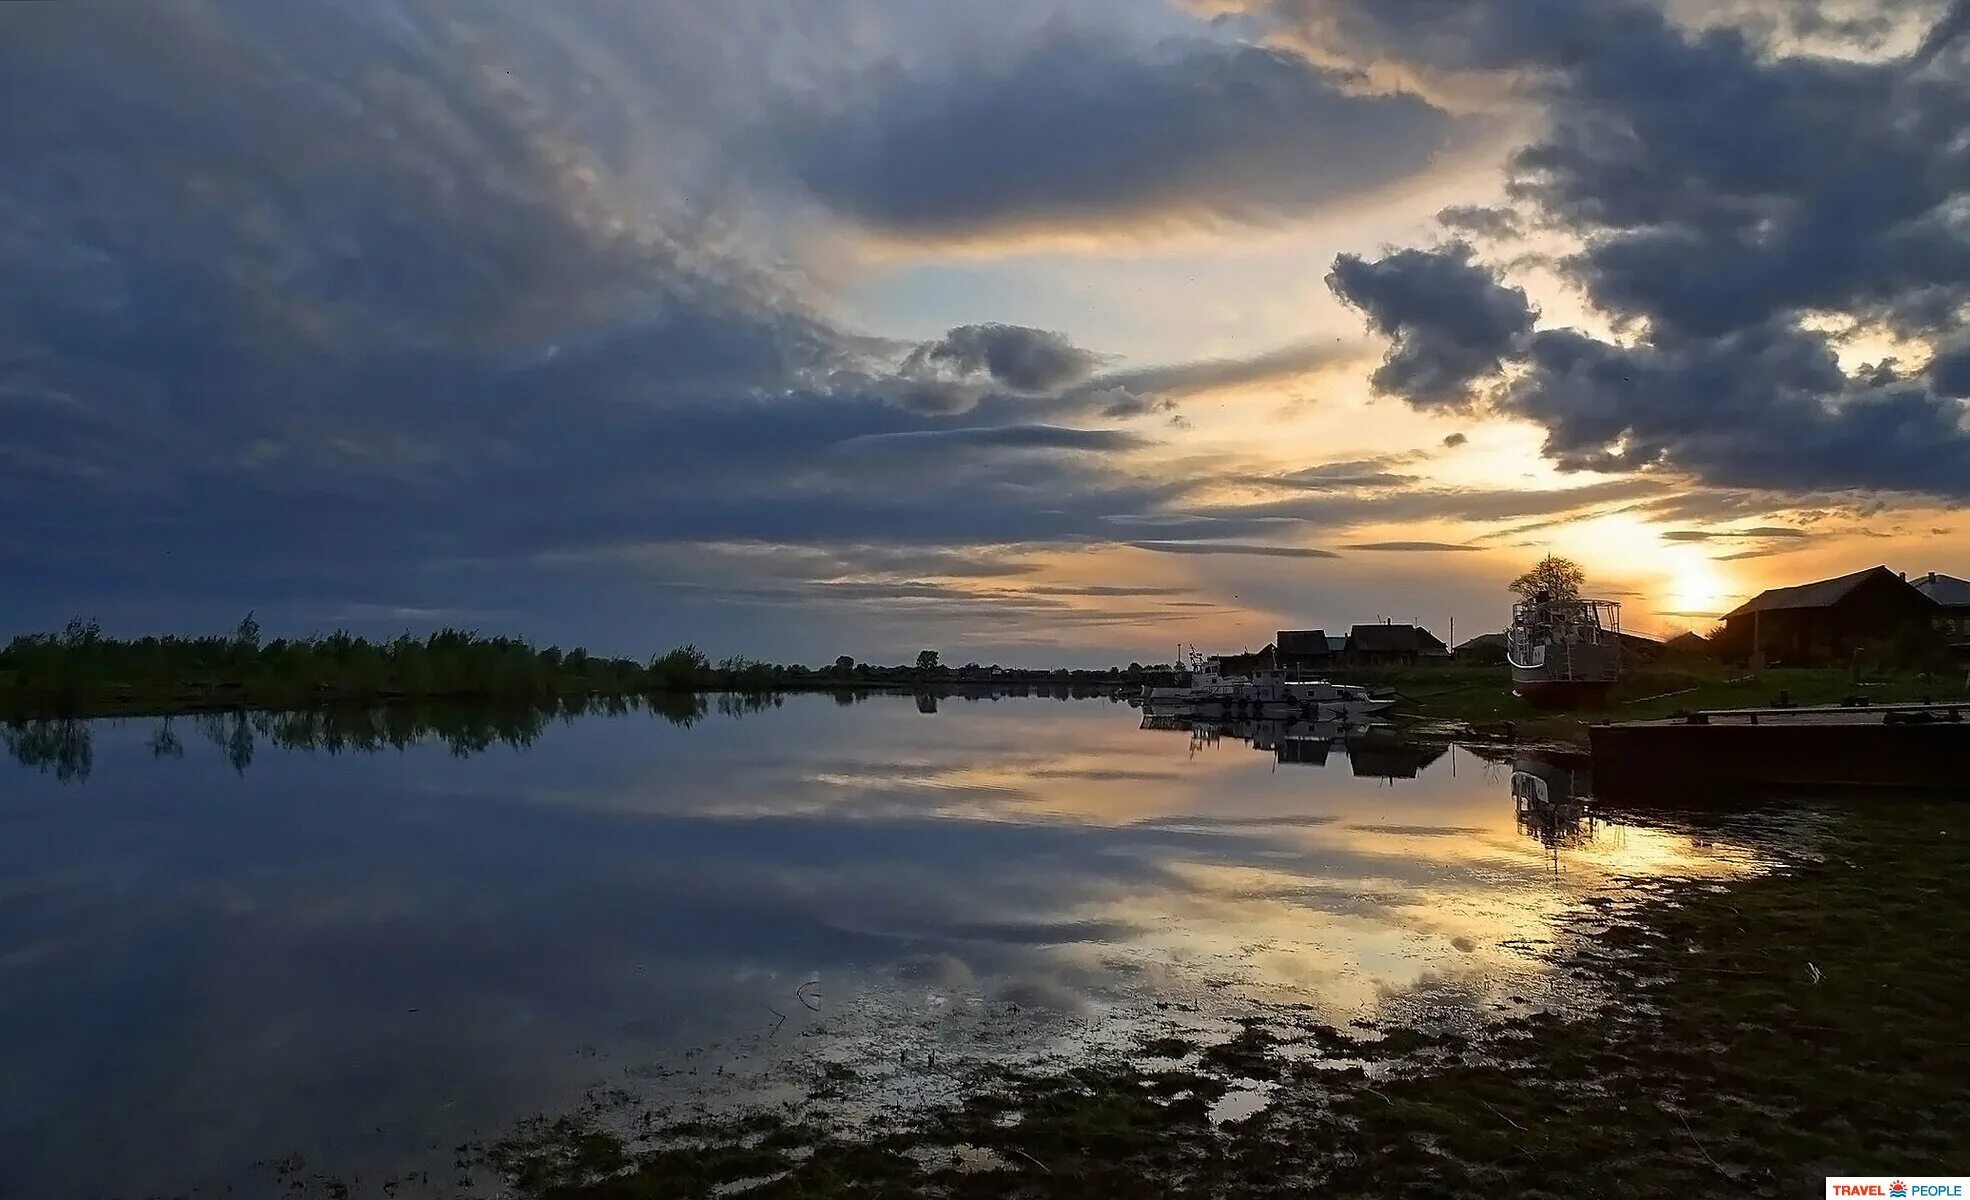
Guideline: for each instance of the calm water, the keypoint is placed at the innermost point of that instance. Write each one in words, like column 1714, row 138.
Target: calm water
column 220, row 946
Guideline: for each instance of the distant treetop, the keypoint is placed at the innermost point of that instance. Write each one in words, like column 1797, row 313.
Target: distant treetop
column 1560, row 578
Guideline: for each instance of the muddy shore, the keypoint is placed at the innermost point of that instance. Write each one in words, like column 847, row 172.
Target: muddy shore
column 1756, row 1035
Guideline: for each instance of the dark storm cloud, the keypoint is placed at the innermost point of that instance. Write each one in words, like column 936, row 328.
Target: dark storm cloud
column 1082, row 133
column 1026, row 360
column 1712, row 240
column 1449, row 322
column 333, row 308
column 1949, row 370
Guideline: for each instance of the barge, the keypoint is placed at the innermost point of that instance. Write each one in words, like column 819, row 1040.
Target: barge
column 1909, row 747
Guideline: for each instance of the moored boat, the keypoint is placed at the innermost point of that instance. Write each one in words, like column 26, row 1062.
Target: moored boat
column 1564, row 653
column 1267, row 693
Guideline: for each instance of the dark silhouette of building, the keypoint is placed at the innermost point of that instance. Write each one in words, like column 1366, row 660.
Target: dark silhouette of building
column 1304, row 649
column 1393, row 646
column 1486, row 649
column 1952, row 596
column 1239, row 665
column 1688, row 644
column 1829, row 620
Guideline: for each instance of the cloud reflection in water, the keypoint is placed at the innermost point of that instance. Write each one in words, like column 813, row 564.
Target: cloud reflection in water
column 344, row 953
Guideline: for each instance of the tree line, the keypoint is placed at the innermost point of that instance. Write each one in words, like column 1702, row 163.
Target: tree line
column 80, row 671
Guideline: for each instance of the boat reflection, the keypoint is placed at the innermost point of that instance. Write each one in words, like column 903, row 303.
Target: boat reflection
column 1553, row 799
column 1372, row 751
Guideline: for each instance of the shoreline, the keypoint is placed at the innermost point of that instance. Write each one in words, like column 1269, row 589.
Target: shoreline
column 1464, row 702
column 1757, row 1035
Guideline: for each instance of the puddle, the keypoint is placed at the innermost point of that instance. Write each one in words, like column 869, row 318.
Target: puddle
column 1246, row 1099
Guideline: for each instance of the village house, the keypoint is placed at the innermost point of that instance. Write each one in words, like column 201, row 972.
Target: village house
column 1390, row 645
column 1827, row 621
column 1304, row 649
column 1952, row 596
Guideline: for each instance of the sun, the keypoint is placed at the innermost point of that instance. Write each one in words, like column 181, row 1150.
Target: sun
column 1696, row 587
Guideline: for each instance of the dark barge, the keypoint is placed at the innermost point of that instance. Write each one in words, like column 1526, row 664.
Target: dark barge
column 1913, row 747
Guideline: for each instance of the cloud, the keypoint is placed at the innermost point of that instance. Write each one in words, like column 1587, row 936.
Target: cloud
column 1453, row 440
column 1344, row 475
column 1450, row 322
column 1242, row 548
column 1026, row 360
column 1758, row 531
column 1219, row 374
column 1416, row 547
column 1497, row 224
column 1083, row 132
column 1120, row 404
column 1719, row 247
column 998, row 437
column 1766, row 406
column 1949, row 369
column 381, row 309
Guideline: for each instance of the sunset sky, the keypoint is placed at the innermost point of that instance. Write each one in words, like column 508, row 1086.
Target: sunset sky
column 1039, row 331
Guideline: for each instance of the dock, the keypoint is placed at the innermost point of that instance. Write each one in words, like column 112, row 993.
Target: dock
column 1906, row 747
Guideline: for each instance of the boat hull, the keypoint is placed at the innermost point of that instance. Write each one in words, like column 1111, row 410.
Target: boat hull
column 1561, row 693
column 1345, row 711
column 1663, row 761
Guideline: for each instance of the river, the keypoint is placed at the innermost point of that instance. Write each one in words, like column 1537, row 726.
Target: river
column 236, row 948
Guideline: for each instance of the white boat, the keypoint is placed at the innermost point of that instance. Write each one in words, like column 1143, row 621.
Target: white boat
column 1205, row 682
column 1564, row 653
column 1273, row 694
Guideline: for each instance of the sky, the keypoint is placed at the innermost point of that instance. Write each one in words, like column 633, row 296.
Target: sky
column 1038, row 332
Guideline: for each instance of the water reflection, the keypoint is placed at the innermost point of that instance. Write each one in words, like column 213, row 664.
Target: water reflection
column 351, row 956
column 1553, row 798
column 1371, row 751
column 63, row 746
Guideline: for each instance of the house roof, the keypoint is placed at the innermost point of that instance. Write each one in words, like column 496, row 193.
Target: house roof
column 1481, row 641
column 1303, row 641
column 1946, row 590
column 1393, row 639
column 1824, row 593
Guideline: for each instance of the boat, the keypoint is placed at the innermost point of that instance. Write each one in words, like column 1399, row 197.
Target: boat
column 1269, row 693
column 1564, row 653
column 1738, row 752
column 1205, row 681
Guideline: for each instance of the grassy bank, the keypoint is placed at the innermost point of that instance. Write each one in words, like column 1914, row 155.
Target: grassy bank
column 1481, row 697
column 1758, row 1036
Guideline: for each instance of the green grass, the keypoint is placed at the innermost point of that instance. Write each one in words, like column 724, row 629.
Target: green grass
column 1758, row 1036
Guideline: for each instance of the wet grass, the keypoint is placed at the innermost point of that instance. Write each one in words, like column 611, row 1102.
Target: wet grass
column 1759, row 1035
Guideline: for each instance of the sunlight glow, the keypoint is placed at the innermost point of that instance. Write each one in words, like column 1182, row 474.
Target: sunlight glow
column 1697, row 587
